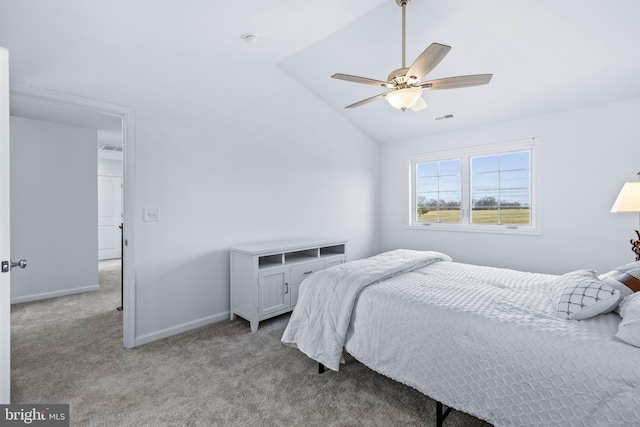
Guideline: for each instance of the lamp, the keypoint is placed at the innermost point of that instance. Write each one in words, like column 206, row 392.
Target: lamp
column 402, row 99
column 629, row 201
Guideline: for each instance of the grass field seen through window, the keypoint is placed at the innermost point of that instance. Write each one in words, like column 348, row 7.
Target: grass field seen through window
column 480, row 216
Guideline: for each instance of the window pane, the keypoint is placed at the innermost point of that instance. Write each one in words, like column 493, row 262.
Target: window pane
column 427, row 207
column 485, row 199
column 514, row 179
column 450, row 167
column 485, row 181
column 438, row 188
column 449, row 198
column 517, row 160
column 517, row 198
column 450, row 183
column 514, row 207
column 509, row 215
column 427, row 185
column 449, row 206
column 484, row 215
column 427, row 169
column 484, row 164
column 484, row 207
column 450, row 215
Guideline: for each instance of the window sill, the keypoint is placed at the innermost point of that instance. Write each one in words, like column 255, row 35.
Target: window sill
column 474, row 228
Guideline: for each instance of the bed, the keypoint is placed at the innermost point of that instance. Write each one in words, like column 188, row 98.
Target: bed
column 483, row 340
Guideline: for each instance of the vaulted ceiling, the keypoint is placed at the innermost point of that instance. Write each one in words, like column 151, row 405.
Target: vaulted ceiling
column 545, row 55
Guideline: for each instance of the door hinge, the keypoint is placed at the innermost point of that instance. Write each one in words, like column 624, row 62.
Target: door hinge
column 5, row 266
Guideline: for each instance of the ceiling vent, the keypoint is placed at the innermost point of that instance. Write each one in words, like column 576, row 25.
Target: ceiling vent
column 446, row 116
column 109, row 148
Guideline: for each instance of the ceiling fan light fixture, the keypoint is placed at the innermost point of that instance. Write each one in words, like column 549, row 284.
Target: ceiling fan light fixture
column 420, row 105
column 402, row 99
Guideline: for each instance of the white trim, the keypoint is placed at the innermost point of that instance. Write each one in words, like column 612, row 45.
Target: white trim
column 5, row 231
column 184, row 327
column 54, row 294
column 535, row 228
column 129, row 175
column 110, row 155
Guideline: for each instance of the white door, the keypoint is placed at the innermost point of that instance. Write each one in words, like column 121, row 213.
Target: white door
column 5, row 255
column 109, row 217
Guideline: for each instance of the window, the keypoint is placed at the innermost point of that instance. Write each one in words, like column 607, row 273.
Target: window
column 439, row 191
column 490, row 189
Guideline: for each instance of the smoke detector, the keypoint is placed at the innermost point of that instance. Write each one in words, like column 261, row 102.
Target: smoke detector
column 250, row 38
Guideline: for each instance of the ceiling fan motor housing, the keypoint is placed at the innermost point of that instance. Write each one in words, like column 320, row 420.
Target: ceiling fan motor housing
column 399, row 78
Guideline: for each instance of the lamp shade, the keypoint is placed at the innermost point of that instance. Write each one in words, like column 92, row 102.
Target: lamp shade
column 629, row 198
column 403, row 98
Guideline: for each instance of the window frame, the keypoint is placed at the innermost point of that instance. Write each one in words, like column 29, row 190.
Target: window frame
column 532, row 144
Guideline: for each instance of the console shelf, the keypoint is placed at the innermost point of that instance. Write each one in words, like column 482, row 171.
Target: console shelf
column 265, row 276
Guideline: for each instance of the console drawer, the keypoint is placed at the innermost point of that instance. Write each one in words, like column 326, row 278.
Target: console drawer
column 302, row 271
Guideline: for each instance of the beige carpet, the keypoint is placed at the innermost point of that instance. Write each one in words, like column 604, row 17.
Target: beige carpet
column 69, row 350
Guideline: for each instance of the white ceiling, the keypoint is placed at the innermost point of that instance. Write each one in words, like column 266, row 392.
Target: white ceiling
column 546, row 55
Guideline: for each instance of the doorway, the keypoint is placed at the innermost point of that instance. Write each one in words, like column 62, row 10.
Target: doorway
column 66, row 109
column 109, row 215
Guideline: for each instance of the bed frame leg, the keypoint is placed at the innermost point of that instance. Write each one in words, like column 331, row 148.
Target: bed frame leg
column 440, row 416
column 320, row 368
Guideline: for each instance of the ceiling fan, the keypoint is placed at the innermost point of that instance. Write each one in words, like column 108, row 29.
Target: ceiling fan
column 405, row 82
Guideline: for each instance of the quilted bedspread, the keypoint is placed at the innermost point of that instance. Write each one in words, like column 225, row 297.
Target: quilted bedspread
column 486, row 341
column 319, row 322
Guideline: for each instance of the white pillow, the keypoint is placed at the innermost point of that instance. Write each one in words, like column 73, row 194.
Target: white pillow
column 627, row 275
column 625, row 278
column 580, row 295
column 629, row 328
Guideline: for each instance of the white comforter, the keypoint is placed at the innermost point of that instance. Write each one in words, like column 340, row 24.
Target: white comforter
column 486, row 341
column 319, row 322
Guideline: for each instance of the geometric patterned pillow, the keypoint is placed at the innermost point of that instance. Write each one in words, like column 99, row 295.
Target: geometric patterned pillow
column 580, row 295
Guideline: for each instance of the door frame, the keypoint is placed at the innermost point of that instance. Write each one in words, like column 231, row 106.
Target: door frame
column 5, row 231
column 127, row 115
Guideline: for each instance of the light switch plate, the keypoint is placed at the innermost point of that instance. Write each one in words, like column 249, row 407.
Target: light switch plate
column 151, row 214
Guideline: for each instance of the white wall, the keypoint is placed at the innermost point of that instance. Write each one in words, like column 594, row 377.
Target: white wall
column 586, row 156
column 272, row 163
column 53, row 209
column 229, row 148
column 109, row 166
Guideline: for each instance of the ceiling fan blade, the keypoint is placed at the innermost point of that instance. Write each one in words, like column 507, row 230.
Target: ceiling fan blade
column 428, row 60
column 456, row 82
column 368, row 100
column 364, row 80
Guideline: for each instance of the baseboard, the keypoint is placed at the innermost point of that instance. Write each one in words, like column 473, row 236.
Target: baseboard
column 54, row 294
column 184, row 327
